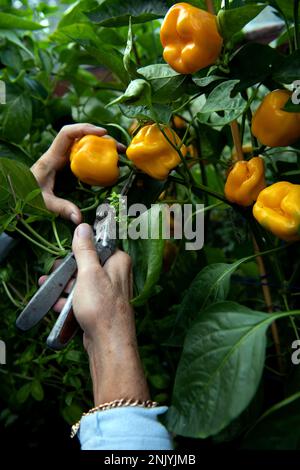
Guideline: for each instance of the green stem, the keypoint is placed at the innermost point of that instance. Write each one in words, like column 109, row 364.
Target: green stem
column 37, row 235
column 91, row 207
column 201, row 187
column 296, row 24
column 56, row 235
column 122, row 130
column 7, row 291
column 43, row 247
column 190, row 176
column 182, row 106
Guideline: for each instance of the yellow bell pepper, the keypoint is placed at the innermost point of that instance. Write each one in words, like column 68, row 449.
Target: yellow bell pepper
column 190, row 38
column 245, row 181
column 179, row 123
column 94, row 160
column 152, row 153
column 277, row 209
column 273, row 126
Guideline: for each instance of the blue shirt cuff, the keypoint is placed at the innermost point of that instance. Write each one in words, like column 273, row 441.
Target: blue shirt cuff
column 125, row 428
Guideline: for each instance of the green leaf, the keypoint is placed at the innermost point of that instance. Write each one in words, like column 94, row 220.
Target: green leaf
column 8, row 21
column 278, row 428
column 205, row 81
column 211, row 285
column 166, row 84
column 32, row 195
column 241, row 65
column 23, row 393
column 289, row 69
column 232, row 21
column 138, row 92
column 156, row 112
column 17, row 116
column 16, row 182
column 147, row 255
column 15, row 152
column 219, row 370
column 11, row 57
column 220, row 100
column 37, row 390
column 74, row 14
column 112, row 13
column 105, row 54
column 292, row 107
column 72, row 413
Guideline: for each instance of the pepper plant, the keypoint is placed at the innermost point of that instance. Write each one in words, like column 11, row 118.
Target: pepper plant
column 218, row 328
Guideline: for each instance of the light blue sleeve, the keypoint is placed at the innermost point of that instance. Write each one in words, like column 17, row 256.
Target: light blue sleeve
column 125, row 428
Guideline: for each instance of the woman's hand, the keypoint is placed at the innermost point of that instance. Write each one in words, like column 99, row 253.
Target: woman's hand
column 102, row 308
column 56, row 157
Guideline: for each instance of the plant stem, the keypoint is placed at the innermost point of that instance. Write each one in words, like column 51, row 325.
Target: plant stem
column 203, row 188
column 268, row 302
column 210, row 6
column 37, row 235
column 56, row 235
column 43, row 247
column 91, row 207
column 296, row 24
column 186, row 167
column 123, row 131
column 260, row 263
column 7, row 291
column 237, row 140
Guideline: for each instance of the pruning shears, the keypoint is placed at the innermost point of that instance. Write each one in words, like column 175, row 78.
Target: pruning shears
column 66, row 325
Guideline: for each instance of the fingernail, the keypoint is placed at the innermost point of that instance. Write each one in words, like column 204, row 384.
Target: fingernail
column 75, row 218
column 84, row 231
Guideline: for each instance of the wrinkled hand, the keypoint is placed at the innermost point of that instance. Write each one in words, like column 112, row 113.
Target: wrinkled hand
column 102, row 308
column 56, row 157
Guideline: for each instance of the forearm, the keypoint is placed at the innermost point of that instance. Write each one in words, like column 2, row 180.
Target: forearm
column 117, row 372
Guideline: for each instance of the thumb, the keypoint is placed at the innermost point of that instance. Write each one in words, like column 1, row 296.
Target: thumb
column 84, row 248
column 62, row 207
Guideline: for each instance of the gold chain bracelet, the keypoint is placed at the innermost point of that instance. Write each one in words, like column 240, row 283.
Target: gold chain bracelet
column 114, row 404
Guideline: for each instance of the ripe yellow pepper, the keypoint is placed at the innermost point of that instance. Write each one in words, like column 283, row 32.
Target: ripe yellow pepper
column 94, row 160
column 179, row 123
column 277, row 209
column 245, row 181
column 273, row 126
column 190, row 38
column 151, row 152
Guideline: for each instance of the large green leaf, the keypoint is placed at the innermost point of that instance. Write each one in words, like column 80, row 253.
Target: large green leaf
column 17, row 116
column 17, row 183
column 15, row 152
column 289, row 69
column 210, row 285
column 241, row 65
column 112, row 13
column 147, row 256
column 9, row 21
column 233, row 20
column 219, row 370
column 104, row 53
column 165, row 82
